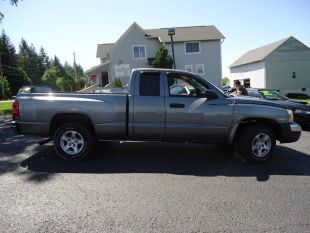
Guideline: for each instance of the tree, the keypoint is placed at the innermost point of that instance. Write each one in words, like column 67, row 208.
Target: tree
column 225, row 81
column 13, row 2
column 50, row 77
column 81, row 83
column 44, row 59
column 31, row 62
column 162, row 59
column 65, row 84
column 56, row 62
column 7, row 50
column 15, row 75
column 117, row 83
column 7, row 89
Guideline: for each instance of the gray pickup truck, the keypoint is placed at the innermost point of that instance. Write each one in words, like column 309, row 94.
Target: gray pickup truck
column 161, row 105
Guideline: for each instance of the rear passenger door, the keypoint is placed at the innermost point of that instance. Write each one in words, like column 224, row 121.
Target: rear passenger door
column 149, row 106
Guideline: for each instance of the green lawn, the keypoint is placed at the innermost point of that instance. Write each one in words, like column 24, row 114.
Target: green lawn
column 5, row 107
column 308, row 100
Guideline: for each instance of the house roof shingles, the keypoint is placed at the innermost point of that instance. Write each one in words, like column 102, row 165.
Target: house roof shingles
column 258, row 54
column 103, row 49
column 187, row 33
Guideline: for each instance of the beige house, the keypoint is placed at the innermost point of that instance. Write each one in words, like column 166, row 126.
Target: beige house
column 283, row 65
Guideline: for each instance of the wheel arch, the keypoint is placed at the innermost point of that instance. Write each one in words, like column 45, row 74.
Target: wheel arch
column 63, row 118
column 273, row 124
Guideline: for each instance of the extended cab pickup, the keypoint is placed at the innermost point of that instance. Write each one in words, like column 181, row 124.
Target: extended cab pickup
column 161, row 105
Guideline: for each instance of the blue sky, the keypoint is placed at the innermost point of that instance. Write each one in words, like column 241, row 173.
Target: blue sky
column 62, row 27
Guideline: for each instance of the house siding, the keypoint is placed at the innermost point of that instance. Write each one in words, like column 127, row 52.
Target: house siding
column 290, row 57
column 253, row 71
column 123, row 52
column 209, row 56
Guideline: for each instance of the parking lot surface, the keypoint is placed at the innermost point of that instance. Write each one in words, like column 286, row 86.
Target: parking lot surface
column 152, row 187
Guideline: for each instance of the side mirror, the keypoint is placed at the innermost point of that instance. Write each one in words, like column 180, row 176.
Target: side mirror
column 210, row 95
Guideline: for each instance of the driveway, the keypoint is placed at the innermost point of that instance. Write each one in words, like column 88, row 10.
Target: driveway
column 152, row 187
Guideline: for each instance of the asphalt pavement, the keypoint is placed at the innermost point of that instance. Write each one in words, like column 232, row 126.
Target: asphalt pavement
column 152, row 187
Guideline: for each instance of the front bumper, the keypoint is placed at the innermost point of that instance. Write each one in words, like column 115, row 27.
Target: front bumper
column 290, row 132
column 302, row 119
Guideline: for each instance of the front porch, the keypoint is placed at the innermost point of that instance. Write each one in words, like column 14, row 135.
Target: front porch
column 99, row 75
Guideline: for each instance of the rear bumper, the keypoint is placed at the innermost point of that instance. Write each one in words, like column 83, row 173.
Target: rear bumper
column 14, row 127
column 29, row 128
column 290, row 132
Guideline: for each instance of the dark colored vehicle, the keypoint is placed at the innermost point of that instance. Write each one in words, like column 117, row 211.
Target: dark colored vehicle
column 226, row 89
column 297, row 96
column 35, row 89
column 301, row 110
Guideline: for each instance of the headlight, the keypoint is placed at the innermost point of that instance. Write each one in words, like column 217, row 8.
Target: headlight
column 299, row 111
column 290, row 116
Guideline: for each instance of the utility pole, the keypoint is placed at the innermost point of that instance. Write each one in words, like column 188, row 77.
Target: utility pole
column 2, row 79
column 74, row 66
column 171, row 33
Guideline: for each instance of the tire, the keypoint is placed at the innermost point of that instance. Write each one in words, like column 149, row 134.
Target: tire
column 256, row 143
column 73, row 141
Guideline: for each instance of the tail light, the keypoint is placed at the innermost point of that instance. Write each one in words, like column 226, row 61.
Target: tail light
column 15, row 109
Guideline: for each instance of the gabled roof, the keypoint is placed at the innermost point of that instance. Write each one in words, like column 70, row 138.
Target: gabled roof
column 187, row 33
column 258, row 54
column 182, row 34
column 103, row 49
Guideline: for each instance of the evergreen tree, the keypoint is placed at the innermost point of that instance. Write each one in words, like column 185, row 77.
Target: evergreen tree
column 31, row 62
column 162, row 59
column 50, row 77
column 15, row 75
column 56, row 62
column 13, row 2
column 44, row 59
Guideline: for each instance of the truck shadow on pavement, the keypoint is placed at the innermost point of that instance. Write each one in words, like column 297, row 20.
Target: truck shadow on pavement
column 171, row 158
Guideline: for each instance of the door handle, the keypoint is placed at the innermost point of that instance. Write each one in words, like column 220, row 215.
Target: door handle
column 176, row 105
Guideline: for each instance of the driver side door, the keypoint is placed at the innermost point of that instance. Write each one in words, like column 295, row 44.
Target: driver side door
column 191, row 117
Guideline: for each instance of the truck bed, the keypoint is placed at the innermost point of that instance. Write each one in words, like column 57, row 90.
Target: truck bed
column 106, row 111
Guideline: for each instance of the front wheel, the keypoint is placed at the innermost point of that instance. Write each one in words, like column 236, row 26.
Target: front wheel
column 73, row 141
column 256, row 143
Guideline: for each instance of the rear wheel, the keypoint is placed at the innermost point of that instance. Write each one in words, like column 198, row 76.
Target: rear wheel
column 256, row 143
column 73, row 141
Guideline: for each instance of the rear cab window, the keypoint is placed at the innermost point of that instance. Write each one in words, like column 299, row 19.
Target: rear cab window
column 149, row 84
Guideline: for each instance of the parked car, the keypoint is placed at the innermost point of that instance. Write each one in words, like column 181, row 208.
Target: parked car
column 114, row 90
column 183, row 89
column 226, row 89
column 301, row 110
column 301, row 96
column 152, row 111
column 35, row 89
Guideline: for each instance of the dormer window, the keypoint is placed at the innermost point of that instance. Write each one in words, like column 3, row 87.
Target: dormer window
column 192, row 47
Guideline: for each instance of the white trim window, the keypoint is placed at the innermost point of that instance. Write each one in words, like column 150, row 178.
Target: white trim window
column 192, row 47
column 189, row 68
column 138, row 51
column 200, row 69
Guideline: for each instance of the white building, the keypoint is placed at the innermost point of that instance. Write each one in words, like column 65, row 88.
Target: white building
column 283, row 65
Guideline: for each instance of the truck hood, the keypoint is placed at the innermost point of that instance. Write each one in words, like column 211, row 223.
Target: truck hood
column 250, row 100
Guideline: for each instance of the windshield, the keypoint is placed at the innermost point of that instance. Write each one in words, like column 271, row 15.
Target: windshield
column 272, row 95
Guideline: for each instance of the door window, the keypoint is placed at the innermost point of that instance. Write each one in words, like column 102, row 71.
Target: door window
column 182, row 85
